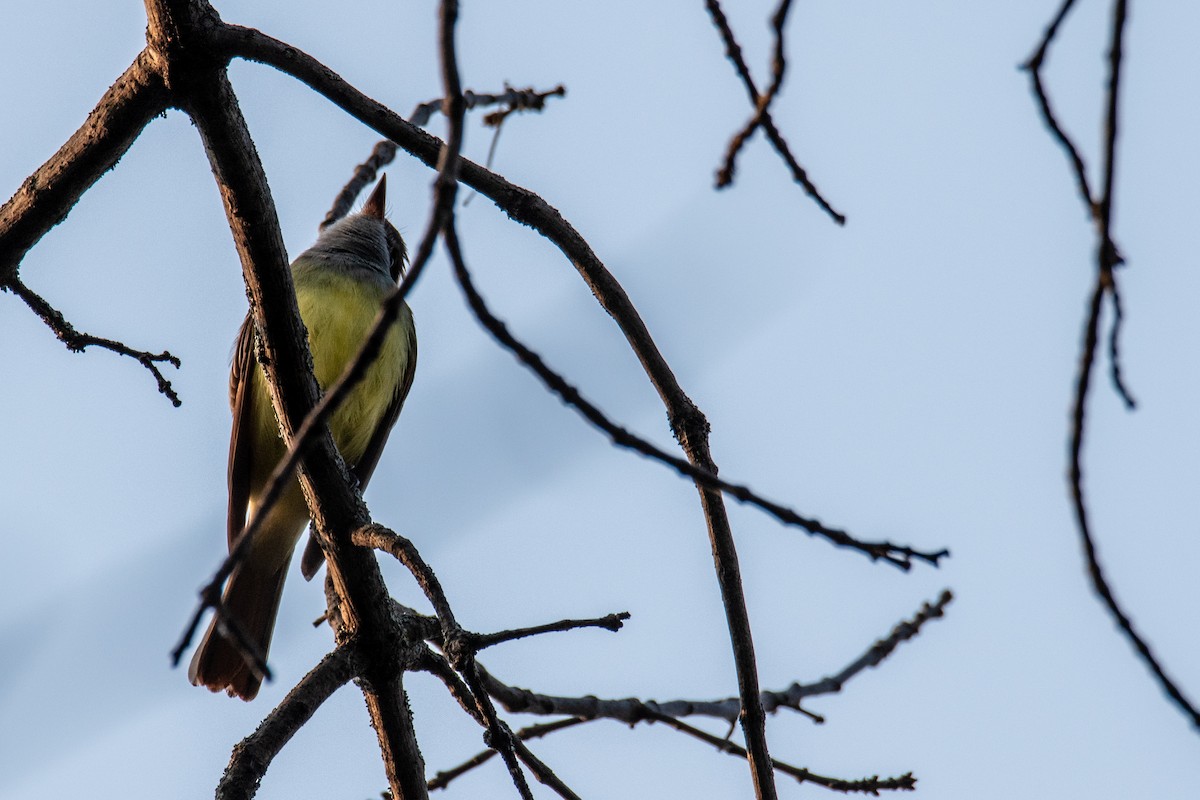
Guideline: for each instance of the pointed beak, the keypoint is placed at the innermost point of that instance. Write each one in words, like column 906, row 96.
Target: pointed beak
column 376, row 203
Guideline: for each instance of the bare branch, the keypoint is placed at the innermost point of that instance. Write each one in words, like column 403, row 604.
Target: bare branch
column 514, row 100
column 364, row 174
column 734, row 51
column 444, row 777
column 1091, row 554
column 1034, row 67
column 477, row 704
column 873, row 657
column 77, row 342
column 254, row 754
column 1114, row 355
column 47, row 196
column 778, row 69
column 612, row 622
column 872, row 786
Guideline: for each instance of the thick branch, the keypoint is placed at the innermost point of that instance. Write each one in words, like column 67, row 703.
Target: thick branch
column 47, row 196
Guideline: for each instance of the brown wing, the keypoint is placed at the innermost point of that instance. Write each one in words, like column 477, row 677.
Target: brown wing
column 240, row 458
column 365, row 467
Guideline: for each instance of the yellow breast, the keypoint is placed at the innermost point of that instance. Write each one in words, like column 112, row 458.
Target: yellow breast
column 339, row 311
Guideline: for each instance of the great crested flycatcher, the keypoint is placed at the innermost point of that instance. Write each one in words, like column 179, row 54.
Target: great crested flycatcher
column 340, row 282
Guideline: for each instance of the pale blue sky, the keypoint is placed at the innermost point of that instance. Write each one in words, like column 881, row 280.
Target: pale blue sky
column 907, row 377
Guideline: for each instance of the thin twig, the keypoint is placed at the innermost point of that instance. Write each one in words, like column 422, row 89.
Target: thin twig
column 364, row 175
column 1034, row 66
column 872, row 786
column 443, row 778
column 873, row 657
column 1114, row 355
column 77, row 342
column 384, row 152
column 778, row 69
column 612, row 622
column 734, row 51
column 474, row 702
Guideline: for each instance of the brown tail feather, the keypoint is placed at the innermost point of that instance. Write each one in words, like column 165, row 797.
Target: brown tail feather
column 252, row 598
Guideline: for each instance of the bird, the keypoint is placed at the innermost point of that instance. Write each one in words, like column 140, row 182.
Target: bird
column 341, row 283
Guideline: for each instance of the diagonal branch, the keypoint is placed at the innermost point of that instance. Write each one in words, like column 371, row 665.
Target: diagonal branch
column 443, row 778
column 778, row 69
column 1034, row 67
column 474, row 702
column 47, row 196
column 734, row 51
column 612, row 622
column 77, row 342
column 254, row 754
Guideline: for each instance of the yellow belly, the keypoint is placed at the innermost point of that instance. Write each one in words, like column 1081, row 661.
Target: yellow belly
column 339, row 312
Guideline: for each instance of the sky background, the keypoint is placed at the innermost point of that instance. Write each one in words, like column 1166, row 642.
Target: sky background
column 906, row 377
